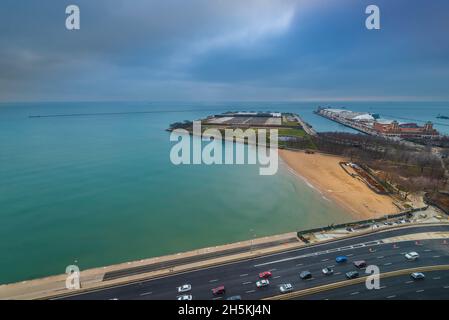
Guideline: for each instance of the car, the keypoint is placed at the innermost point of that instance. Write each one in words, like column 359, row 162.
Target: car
column 341, row 259
column 305, row 275
column 184, row 288
column 352, row 274
column 360, row 264
column 262, row 283
column 328, row 271
column 417, row 276
column 218, row 290
column 412, row 256
column 265, row 275
column 185, row 297
column 234, row 298
column 286, row 287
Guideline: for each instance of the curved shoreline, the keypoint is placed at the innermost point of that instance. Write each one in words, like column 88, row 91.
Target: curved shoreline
column 323, row 175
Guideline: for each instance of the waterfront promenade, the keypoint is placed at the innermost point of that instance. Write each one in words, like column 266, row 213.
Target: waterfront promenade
column 177, row 264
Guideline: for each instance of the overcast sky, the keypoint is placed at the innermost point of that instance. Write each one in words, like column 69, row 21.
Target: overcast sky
column 205, row 50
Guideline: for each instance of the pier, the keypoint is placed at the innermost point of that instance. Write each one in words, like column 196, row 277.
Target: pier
column 363, row 128
column 368, row 123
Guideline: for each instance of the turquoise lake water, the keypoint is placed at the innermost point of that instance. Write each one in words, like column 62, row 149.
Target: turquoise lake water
column 101, row 189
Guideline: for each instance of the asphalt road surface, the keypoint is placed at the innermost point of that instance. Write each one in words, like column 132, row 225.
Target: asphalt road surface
column 176, row 262
column 435, row 286
column 240, row 278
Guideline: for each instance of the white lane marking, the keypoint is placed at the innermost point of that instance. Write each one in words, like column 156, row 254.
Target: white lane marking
column 272, row 270
column 250, row 291
column 146, row 293
column 380, row 242
column 408, row 282
column 436, row 257
column 354, row 293
column 317, row 253
column 388, row 264
column 436, row 278
column 332, row 266
column 277, row 261
column 446, row 287
column 380, row 257
column 383, row 287
column 427, row 250
column 244, row 275
column 214, row 280
column 337, row 273
column 248, row 282
column 276, row 277
column 324, row 260
column 391, row 297
column 218, row 298
column 419, row 291
column 299, row 265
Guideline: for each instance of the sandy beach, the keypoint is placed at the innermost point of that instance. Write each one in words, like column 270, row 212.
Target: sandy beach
column 324, row 173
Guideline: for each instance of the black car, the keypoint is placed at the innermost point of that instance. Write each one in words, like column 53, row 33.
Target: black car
column 352, row 274
column 305, row 275
column 360, row 264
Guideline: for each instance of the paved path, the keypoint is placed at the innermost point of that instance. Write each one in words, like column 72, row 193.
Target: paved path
column 239, row 277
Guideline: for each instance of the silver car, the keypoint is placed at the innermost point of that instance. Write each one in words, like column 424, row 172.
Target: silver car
column 417, row 276
column 262, row 283
column 286, row 287
column 412, row 256
column 327, row 271
column 184, row 288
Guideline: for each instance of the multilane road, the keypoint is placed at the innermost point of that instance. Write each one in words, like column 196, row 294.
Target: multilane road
column 240, row 278
column 435, row 286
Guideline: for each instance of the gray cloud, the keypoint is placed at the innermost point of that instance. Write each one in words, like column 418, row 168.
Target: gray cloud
column 219, row 49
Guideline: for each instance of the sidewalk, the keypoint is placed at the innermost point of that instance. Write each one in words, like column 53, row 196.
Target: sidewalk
column 129, row 272
column 95, row 278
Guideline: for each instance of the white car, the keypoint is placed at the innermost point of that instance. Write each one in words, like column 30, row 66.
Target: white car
column 286, row 287
column 262, row 283
column 184, row 288
column 412, row 256
column 185, row 297
column 327, row 271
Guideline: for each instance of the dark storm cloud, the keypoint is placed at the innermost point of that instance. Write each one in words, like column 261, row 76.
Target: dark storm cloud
column 216, row 49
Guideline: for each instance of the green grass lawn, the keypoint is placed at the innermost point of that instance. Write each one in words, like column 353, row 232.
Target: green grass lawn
column 290, row 123
column 290, row 132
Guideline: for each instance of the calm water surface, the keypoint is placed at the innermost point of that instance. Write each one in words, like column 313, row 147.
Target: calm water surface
column 101, row 189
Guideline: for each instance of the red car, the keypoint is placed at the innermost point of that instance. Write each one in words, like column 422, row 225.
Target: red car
column 218, row 290
column 265, row 275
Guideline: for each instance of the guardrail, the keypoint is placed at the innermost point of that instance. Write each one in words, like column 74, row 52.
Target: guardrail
column 362, row 222
column 187, row 268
